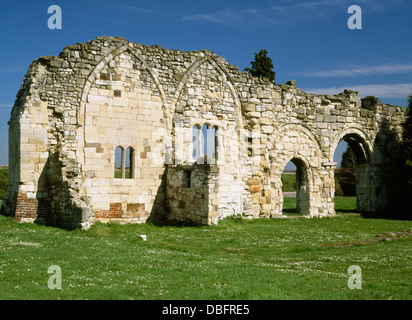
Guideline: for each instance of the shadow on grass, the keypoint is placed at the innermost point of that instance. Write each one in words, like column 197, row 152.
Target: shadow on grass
column 291, row 211
column 289, row 207
column 345, row 205
column 342, row 211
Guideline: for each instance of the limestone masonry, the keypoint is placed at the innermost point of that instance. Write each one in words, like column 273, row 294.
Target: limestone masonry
column 116, row 131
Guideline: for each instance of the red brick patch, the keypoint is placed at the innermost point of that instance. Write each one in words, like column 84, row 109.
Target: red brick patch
column 30, row 208
column 115, row 211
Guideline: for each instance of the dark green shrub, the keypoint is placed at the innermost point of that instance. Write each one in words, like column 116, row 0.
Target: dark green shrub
column 4, row 181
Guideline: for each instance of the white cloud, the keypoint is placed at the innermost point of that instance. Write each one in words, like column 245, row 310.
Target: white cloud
column 362, row 71
column 117, row 5
column 137, row 9
column 11, row 69
column 286, row 12
column 396, row 90
column 238, row 19
column 271, row 15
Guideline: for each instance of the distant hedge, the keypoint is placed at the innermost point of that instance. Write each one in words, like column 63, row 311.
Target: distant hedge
column 4, row 181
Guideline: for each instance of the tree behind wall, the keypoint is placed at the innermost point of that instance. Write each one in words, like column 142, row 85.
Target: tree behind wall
column 4, row 181
column 262, row 66
column 347, row 176
column 407, row 144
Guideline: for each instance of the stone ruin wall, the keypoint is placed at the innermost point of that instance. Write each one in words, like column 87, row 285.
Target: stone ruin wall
column 73, row 110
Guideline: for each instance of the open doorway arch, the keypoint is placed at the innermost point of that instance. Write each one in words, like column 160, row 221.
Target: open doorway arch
column 358, row 142
column 302, row 187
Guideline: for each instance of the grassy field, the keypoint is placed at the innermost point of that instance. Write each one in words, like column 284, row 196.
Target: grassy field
column 118, row 174
column 288, row 182
column 296, row 258
column 343, row 205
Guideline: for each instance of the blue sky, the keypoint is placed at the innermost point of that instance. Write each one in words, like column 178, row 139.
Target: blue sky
column 308, row 41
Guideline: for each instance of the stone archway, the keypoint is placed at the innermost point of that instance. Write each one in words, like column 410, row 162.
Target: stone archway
column 360, row 144
column 303, row 187
column 294, row 142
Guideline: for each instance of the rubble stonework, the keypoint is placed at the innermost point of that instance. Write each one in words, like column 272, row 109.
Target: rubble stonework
column 72, row 111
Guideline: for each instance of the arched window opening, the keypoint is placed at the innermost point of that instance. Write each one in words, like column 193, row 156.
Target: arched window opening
column 118, row 163
column 204, row 139
column 196, row 142
column 129, row 164
column 215, row 143
column 210, row 147
column 209, row 143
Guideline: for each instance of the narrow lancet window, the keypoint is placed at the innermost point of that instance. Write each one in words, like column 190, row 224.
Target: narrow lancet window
column 129, row 164
column 118, row 162
column 196, row 144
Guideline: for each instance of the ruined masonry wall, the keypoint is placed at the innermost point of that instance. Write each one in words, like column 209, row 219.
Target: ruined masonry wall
column 73, row 110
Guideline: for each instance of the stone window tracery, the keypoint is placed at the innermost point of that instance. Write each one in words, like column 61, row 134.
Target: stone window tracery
column 205, row 142
column 124, row 163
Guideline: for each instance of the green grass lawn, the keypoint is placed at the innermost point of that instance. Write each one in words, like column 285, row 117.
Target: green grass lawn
column 343, row 205
column 288, row 182
column 238, row 259
column 118, row 174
